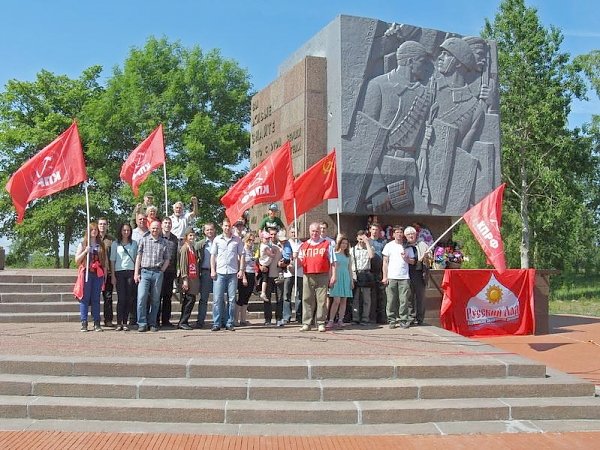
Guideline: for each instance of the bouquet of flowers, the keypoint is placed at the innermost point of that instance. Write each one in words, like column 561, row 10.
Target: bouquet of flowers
column 447, row 256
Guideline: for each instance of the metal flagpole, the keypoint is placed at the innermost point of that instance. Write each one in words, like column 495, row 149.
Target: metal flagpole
column 87, row 212
column 337, row 211
column 443, row 234
column 166, row 198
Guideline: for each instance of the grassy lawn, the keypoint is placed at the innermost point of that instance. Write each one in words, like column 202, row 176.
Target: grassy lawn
column 576, row 294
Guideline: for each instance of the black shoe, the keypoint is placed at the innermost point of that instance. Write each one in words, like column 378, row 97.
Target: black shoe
column 199, row 326
column 184, row 326
column 168, row 325
column 215, row 328
column 142, row 329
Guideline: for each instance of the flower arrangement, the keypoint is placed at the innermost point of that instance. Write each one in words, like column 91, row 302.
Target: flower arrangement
column 447, row 256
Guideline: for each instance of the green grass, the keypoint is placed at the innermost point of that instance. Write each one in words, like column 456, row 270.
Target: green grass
column 575, row 294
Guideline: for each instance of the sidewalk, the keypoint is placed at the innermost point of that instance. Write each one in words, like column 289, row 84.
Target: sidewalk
column 573, row 347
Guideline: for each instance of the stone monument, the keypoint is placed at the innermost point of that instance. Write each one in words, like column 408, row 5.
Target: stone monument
column 412, row 113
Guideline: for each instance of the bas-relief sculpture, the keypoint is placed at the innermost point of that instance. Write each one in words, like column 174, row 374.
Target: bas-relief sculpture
column 421, row 135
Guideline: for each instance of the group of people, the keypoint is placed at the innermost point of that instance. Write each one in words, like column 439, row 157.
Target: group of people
column 311, row 280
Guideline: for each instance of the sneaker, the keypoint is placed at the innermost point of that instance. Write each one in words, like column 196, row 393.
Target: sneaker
column 330, row 324
column 230, row 328
column 321, row 328
column 392, row 325
column 108, row 324
column 84, row 326
column 404, row 325
column 215, row 328
column 154, row 329
column 97, row 327
column 244, row 323
column 125, row 328
column 142, row 329
column 280, row 323
column 268, row 324
column 305, row 328
column 263, row 297
column 184, row 326
column 119, row 328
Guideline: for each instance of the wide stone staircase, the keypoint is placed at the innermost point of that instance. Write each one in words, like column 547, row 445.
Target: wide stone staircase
column 465, row 388
column 47, row 296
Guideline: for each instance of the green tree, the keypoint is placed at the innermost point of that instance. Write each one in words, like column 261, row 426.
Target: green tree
column 32, row 114
column 544, row 162
column 203, row 102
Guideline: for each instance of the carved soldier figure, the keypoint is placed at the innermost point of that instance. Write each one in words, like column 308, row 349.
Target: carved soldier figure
column 399, row 101
column 458, row 119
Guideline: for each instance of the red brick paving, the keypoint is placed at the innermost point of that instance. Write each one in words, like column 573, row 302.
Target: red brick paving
column 38, row 440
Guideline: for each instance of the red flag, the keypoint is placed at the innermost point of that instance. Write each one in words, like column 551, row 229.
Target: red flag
column 486, row 303
column 147, row 156
column 56, row 167
column 484, row 219
column 311, row 188
column 270, row 181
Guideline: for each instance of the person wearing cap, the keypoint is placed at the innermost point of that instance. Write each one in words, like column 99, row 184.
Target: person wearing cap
column 141, row 208
column 271, row 220
column 239, row 228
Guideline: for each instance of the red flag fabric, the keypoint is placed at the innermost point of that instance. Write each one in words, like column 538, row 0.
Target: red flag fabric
column 146, row 157
column 311, row 188
column 484, row 219
column 56, row 167
column 487, row 303
column 270, row 181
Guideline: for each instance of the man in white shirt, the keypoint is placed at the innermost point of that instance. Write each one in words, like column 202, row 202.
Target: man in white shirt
column 396, row 277
column 181, row 220
column 226, row 266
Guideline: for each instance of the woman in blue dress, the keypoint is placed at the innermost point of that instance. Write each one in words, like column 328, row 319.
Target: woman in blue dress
column 342, row 289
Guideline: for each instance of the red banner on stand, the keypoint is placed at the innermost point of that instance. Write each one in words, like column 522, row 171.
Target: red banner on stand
column 486, row 303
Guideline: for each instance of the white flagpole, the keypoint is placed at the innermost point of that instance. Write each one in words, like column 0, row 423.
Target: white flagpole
column 87, row 212
column 165, row 178
column 337, row 211
column 295, row 259
column 443, row 234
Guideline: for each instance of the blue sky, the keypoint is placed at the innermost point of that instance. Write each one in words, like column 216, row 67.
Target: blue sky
column 67, row 36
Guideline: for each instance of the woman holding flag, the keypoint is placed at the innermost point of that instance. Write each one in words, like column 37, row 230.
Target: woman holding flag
column 92, row 255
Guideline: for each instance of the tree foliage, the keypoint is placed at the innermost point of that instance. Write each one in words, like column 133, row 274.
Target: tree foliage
column 203, row 102
column 32, row 114
column 545, row 164
column 201, row 98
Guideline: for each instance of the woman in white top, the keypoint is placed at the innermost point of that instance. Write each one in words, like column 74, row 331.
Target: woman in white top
column 123, row 252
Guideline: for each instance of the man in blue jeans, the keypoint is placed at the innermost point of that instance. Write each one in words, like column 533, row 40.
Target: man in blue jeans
column 226, row 257
column 151, row 262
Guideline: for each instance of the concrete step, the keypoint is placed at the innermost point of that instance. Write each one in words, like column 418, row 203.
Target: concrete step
column 36, row 287
column 37, row 297
column 47, row 276
column 557, row 385
column 437, row 367
column 272, row 412
column 72, row 315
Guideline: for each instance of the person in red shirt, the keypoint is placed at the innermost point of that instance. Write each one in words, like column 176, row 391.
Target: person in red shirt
column 318, row 262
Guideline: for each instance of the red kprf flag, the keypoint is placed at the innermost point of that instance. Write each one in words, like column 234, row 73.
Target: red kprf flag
column 270, row 181
column 147, row 156
column 311, row 188
column 486, row 303
column 484, row 220
column 56, row 167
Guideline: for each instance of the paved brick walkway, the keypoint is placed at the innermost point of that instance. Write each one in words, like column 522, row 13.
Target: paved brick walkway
column 61, row 440
column 573, row 346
